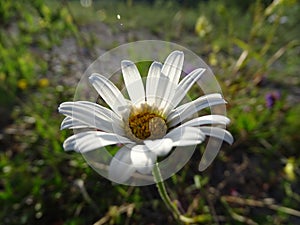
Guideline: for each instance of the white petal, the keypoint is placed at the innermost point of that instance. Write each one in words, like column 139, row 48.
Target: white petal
column 92, row 140
column 214, row 144
column 184, row 111
column 70, row 123
column 110, row 93
column 173, row 66
column 185, row 85
column 218, row 132
column 160, row 147
column 142, row 159
column 121, row 168
column 152, row 83
column 165, row 93
column 204, row 98
column 170, row 74
column 133, row 82
column 183, row 136
column 207, row 119
column 92, row 115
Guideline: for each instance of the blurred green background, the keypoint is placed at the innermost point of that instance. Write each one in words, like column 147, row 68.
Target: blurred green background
column 253, row 48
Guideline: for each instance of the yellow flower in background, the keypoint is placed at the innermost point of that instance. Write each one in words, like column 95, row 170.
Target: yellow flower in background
column 213, row 59
column 22, row 84
column 289, row 169
column 203, row 26
column 43, row 82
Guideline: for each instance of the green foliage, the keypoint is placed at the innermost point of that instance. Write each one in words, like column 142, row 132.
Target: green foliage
column 252, row 47
column 34, row 26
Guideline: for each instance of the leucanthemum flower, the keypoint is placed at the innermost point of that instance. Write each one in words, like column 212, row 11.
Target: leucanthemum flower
column 148, row 125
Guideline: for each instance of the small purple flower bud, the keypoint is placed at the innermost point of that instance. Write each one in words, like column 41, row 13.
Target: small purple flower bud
column 271, row 98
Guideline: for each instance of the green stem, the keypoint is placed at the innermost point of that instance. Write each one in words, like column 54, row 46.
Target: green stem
column 163, row 192
column 172, row 206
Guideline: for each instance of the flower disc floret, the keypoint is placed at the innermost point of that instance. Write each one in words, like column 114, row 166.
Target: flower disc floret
column 145, row 123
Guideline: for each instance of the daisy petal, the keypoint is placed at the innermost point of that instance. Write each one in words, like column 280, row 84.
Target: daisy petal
column 217, row 136
column 142, row 159
column 183, row 136
column 207, row 119
column 133, row 82
column 70, row 123
column 92, row 115
column 205, row 98
column 120, row 168
column 170, row 74
column 152, row 83
column 185, row 85
column 160, row 147
column 210, row 153
column 165, row 93
column 173, row 66
column 110, row 93
column 92, row 140
column 218, row 133
column 182, row 112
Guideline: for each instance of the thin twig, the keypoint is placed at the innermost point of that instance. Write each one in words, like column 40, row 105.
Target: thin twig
column 262, row 203
column 114, row 211
column 235, row 216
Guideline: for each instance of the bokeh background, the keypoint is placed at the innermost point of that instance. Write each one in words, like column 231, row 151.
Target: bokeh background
column 253, row 47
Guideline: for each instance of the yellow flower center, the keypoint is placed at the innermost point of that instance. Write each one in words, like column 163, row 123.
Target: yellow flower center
column 145, row 123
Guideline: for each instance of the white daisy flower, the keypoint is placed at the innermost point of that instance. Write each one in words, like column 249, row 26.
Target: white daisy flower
column 148, row 125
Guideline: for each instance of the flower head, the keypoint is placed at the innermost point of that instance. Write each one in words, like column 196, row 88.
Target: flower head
column 148, row 125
